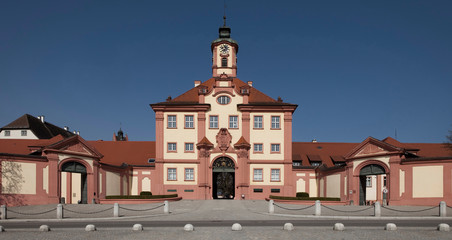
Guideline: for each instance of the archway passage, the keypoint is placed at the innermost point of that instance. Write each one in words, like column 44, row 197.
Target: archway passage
column 223, row 174
column 78, row 187
column 369, row 183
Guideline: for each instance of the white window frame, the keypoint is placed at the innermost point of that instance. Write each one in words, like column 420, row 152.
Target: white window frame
column 23, row 133
column 189, row 121
column 369, row 181
column 275, row 175
column 213, row 121
column 172, row 147
column 7, row 133
column 234, row 121
column 258, row 175
column 172, row 121
column 275, row 147
column 258, row 147
column 189, row 174
column 258, row 121
column 172, row 175
column 189, row 147
column 276, row 120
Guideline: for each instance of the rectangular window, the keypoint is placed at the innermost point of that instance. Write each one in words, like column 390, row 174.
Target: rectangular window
column 258, row 148
column 172, row 121
column 233, row 121
column 172, row 147
column 384, row 181
column 275, row 190
column 275, row 177
column 275, row 147
column 23, row 133
column 368, row 181
column 172, row 174
column 189, row 121
column 275, row 122
column 213, row 122
column 7, row 133
column 258, row 121
column 189, row 174
column 257, row 175
column 189, row 147
column 258, row 190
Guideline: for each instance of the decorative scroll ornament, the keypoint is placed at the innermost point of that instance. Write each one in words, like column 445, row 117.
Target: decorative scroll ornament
column 242, row 153
column 223, row 164
column 203, row 153
column 224, row 139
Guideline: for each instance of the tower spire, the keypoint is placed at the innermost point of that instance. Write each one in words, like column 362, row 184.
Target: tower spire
column 224, row 14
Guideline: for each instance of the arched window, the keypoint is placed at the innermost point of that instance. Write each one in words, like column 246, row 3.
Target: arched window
column 224, row 62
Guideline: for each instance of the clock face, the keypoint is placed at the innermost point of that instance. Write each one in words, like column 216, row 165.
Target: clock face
column 224, row 49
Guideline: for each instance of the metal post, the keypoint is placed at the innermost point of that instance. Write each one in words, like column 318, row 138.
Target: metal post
column 271, row 206
column 3, row 212
column 166, row 207
column 116, row 210
column 442, row 209
column 377, row 209
column 60, row 211
column 318, row 208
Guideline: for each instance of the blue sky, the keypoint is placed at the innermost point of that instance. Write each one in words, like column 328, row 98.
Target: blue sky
column 355, row 68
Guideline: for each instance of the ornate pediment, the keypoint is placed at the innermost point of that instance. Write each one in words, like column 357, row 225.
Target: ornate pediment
column 372, row 147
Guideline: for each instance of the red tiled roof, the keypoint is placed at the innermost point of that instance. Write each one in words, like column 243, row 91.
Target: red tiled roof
column 191, row 96
column 130, row 152
column 23, row 146
column 319, row 151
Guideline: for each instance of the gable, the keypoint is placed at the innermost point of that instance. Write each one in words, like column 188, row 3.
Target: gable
column 370, row 149
column 77, row 148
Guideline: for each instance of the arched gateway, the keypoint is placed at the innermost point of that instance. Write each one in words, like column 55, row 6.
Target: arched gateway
column 76, row 188
column 366, row 180
column 223, row 173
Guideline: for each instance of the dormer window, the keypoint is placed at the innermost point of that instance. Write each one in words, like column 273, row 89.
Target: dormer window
column 224, row 62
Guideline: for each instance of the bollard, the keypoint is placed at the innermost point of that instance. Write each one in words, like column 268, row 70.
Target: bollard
column 271, row 206
column 442, row 209
column 166, row 207
column 116, row 210
column 377, row 209
column 3, row 212
column 318, row 208
column 60, row 211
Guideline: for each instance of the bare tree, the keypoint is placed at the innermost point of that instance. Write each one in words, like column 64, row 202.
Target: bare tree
column 11, row 180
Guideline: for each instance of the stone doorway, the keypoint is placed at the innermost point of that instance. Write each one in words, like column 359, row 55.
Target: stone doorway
column 223, row 178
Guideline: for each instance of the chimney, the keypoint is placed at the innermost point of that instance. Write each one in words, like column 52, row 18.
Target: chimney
column 314, row 140
column 197, row 83
column 78, row 133
column 74, row 132
column 66, row 128
column 250, row 83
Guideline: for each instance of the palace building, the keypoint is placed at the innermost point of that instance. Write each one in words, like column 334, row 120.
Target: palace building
column 222, row 139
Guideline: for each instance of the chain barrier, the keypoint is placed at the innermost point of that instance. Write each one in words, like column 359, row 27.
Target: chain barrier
column 138, row 210
column 88, row 212
column 344, row 211
column 422, row 210
column 31, row 214
column 294, row 209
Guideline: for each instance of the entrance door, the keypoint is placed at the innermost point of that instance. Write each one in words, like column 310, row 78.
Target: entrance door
column 79, row 186
column 223, row 178
column 368, row 171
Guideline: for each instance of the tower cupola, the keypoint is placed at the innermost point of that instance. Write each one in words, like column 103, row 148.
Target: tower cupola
column 224, row 53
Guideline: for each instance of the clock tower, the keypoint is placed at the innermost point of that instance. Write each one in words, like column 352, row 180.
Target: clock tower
column 224, row 53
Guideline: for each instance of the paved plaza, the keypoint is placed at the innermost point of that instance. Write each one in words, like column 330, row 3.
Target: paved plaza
column 212, row 219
